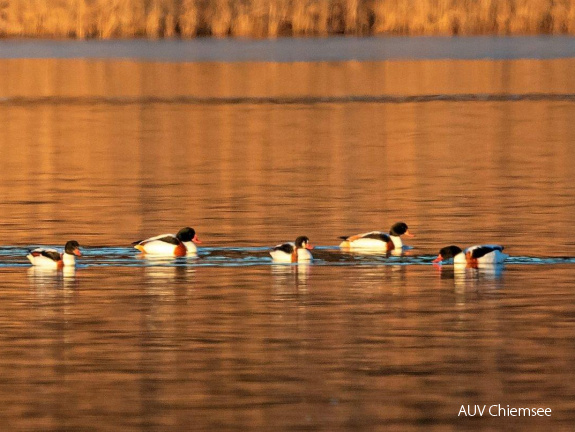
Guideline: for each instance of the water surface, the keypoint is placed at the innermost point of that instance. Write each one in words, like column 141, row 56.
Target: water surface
column 252, row 154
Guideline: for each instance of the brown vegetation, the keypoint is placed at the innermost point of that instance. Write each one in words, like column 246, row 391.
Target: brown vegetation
column 273, row 18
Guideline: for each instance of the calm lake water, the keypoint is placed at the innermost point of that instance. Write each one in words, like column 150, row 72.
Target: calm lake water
column 111, row 150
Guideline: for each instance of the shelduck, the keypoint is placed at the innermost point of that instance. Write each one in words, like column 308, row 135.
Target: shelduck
column 472, row 256
column 293, row 252
column 378, row 241
column 181, row 244
column 52, row 258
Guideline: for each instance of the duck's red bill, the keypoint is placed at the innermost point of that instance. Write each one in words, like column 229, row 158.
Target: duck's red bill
column 438, row 259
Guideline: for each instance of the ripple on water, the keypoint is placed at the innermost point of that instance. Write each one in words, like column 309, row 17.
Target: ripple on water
column 15, row 256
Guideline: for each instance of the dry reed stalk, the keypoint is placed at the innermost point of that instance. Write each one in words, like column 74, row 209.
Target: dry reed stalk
column 559, row 17
column 390, row 17
column 366, row 18
column 322, row 16
column 119, row 18
column 482, row 17
column 451, row 19
column 243, row 17
column 301, row 18
column 336, row 17
column 569, row 20
column 278, row 22
column 352, row 17
column 21, row 21
column 261, row 21
column 504, row 16
column 310, row 17
column 220, row 17
column 80, row 8
column 153, row 19
column 524, row 18
column 12, row 23
column 188, row 18
column 169, row 20
column 273, row 20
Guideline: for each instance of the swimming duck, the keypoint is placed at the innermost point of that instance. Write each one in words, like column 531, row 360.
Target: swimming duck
column 292, row 252
column 181, row 244
column 378, row 240
column 51, row 258
column 472, row 256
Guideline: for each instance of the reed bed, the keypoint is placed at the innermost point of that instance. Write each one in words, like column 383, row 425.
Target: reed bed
column 276, row 18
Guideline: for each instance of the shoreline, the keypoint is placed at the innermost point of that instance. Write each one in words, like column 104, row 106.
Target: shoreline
column 289, row 50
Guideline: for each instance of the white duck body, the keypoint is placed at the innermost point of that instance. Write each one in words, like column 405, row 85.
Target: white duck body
column 68, row 259
column 40, row 257
column 486, row 254
column 162, row 245
column 460, row 258
column 180, row 244
column 191, row 248
column 292, row 252
column 376, row 241
column 304, row 255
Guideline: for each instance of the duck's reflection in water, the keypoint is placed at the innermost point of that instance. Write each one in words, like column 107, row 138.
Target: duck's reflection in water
column 168, row 272
column 466, row 277
column 48, row 278
column 388, row 279
column 288, row 277
column 55, row 293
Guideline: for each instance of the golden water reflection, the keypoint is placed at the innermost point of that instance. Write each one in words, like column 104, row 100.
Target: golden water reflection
column 251, row 174
column 159, row 346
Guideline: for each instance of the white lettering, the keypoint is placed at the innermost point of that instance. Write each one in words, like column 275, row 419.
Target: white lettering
column 499, row 411
column 477, row 410
column 525, row 411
